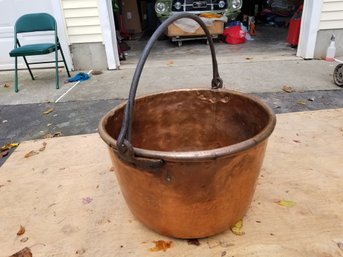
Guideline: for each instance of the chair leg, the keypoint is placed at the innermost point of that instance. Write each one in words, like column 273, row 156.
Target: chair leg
column 28, row 67
column 16, row 89
column 64, row 61
column 57, row 77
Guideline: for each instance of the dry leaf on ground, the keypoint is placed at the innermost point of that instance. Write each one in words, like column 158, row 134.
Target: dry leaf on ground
column 286, row 203
column 48, row 111
column 25, row 252
column 30, row 154
column 21, row 231
column 96, row 72
column 161, row 245
column 288, row 89
column 8, row 146
column 56, row 134
column 237, row 229
column 43, row 147
column 80, row 251
column 193, row 242
column 3, row 154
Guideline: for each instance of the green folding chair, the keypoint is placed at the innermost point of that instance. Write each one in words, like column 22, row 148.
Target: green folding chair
column 32, row 23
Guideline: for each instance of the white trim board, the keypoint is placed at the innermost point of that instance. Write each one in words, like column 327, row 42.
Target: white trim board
column 309, row 28
column 109, row 34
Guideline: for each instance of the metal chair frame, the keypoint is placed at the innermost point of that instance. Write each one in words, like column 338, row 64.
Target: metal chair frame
column 32, row 23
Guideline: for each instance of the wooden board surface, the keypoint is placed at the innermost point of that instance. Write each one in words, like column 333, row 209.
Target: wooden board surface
column 68, row 200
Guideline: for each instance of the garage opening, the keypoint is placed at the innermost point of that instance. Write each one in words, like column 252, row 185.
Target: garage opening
column 271, row 29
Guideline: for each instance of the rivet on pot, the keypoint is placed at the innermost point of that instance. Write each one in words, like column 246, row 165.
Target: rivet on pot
column 168, row 178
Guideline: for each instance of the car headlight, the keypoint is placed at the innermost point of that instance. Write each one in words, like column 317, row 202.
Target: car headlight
column 221, row 4
column 177, row 5
column 236, row 4
column 160, row 7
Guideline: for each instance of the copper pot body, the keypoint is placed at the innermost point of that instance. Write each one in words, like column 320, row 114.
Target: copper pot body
column 212, row 143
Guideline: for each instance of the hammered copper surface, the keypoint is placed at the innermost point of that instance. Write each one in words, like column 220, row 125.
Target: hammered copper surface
column 194, row 198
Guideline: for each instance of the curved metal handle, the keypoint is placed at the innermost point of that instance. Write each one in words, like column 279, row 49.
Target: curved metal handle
column 125, row 149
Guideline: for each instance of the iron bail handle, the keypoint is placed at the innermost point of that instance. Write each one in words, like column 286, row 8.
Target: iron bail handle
column 124, row 146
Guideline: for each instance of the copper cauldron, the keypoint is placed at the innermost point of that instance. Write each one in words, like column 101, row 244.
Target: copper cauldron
column 187, row 161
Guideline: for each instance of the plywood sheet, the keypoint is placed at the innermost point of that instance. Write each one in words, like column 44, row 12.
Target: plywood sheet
column 69, row 202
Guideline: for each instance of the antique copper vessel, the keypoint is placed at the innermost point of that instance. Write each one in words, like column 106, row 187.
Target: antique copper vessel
column 187, row 161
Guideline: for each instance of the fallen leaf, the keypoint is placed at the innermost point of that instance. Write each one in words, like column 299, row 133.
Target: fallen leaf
column 301, row 102
column 24, row 239
column 56, row 134
column 96, row 72
column 8, row 146
column 161, row 245
column 30, row 154
column 249, row 58
column 296, row 141
column 43, row 147
column 340, row 245
column 237, row 229
column 87, row 200
column 3, row 154
column 193, row 242
column 80, row 251
column 48, row 111
column 286, row 203
column 6, row 85
column 223, row 254
column 21, row 231
column 25, row 252
column 288, row 89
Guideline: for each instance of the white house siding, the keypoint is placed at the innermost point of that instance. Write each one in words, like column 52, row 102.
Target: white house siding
column 82, row 21
column 332, row 15
column 84, row 30
column 331, row 22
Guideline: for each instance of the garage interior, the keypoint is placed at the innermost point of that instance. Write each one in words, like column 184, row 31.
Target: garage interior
column 136, row 21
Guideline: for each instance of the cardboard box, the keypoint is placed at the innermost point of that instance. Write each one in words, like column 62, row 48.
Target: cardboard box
column 216, row 29
column 132, row 22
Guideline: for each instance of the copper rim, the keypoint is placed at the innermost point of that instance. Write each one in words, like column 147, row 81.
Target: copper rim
column 195, row 155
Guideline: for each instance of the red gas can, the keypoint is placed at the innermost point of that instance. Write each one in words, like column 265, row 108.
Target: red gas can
column 294, row 27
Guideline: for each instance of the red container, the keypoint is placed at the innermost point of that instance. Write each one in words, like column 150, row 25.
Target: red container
column 294, row 32
column 294, row 27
